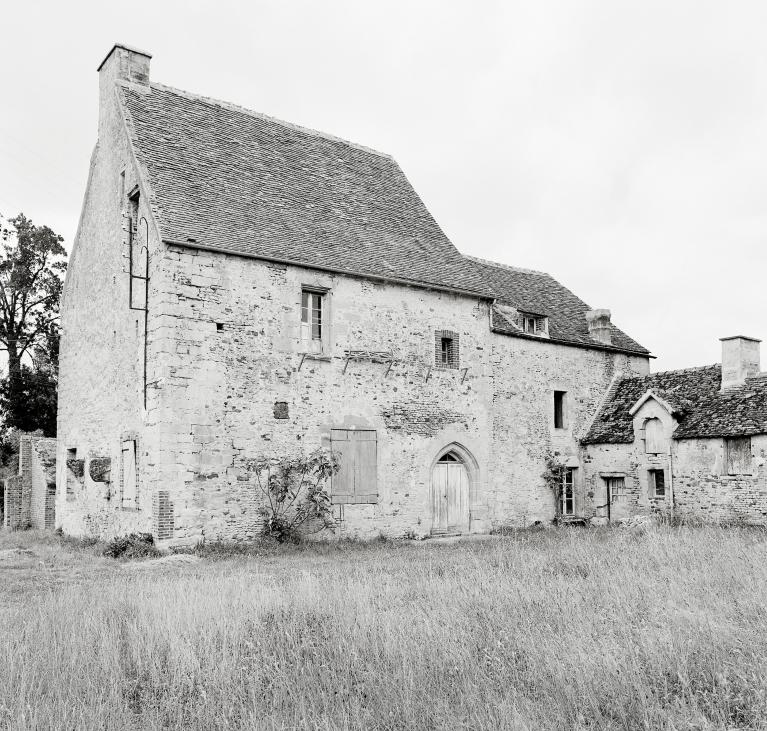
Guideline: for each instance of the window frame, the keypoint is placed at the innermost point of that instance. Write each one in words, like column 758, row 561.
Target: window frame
column 454, row 350
column 131, row 502
column 567, row 486
column 652, row 480
column 532, row 324
column 319, row 345
column 560, row 399
column 662, row 433
column 728, row 451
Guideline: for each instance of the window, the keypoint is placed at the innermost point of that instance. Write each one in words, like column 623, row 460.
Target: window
column 657, row 483
column 534, row 324
column 128, row 477
column 357, row 478
column 654, row 437
column 559, row 409
column 616, row 488
column 737, row 455
column 567, row 506
column 133, row 200
column 313, row 325
column 446, row 349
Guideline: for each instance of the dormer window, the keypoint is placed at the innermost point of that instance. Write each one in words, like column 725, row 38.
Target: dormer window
column 534, row 324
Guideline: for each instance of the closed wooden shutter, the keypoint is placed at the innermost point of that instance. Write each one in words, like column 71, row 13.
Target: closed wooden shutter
column 357, row 479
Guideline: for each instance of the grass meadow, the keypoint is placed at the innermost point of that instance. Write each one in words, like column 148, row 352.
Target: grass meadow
column 560, row 629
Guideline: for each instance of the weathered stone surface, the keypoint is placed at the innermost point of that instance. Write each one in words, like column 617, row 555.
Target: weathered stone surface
column 100, row 469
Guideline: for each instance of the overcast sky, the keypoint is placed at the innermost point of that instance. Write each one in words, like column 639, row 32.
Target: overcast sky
column 620, row 146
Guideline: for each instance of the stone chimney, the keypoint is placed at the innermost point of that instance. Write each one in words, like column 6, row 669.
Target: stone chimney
column 740, row 360
column 599, row 326
column 122, row 63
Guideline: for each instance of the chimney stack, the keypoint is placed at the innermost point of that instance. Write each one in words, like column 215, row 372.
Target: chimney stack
column 740, row 360
column 599, row 326
column 125, row 64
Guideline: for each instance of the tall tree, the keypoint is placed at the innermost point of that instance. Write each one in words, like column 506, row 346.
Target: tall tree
column 31, row 279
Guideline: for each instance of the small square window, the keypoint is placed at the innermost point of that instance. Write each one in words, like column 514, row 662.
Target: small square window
column 446, row 349
column 657, row 483
column 534, row 324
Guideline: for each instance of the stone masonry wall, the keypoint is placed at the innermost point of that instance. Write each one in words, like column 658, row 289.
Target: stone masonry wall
column 702, row 492
column 232, row 369
column 101, row 399
column 232, row 386
column 526, row 373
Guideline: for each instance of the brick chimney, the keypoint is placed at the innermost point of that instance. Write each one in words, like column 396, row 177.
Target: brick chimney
column 122, row 63
column 599, row 326
column 740, row 360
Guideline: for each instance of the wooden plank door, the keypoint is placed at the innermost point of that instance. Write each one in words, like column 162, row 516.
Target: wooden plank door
column 457, row 497
column 439, row 482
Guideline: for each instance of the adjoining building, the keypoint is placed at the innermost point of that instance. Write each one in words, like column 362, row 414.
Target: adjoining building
column 692, row 442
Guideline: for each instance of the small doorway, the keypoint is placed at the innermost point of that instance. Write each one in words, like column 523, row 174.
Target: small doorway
column 617, row 500
column 450, row 495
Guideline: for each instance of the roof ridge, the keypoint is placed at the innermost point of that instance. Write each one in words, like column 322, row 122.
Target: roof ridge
column 508, row 267
column 260, row 115
column 691, row 369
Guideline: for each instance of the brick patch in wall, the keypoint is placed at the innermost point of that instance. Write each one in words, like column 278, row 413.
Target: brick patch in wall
column 162, row 515
column 425, row 418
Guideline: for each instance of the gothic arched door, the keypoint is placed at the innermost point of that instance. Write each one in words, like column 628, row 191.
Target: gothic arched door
column 450, row 495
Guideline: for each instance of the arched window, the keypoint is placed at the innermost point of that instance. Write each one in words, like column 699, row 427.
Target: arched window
column 654, row 437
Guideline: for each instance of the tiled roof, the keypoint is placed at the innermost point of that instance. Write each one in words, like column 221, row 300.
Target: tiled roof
column 229, row 179
column 540, row 294
column 242, row 182
column 702, row 411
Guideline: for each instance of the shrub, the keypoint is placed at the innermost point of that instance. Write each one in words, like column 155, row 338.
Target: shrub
column 296, row 501
column 135, row 545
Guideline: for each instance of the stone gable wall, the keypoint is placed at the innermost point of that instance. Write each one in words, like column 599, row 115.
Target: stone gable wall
column 102, row 346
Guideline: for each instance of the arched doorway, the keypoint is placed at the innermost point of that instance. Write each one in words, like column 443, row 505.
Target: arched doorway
column 450, row 494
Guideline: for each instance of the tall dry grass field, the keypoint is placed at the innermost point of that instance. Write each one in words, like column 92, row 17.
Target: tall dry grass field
column 555, row 630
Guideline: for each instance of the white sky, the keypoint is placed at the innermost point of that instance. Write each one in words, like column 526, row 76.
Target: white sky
column 620, row 146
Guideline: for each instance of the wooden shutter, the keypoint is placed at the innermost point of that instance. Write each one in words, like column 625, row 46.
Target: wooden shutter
column 357, row 479
column 738, row 455
column 654, row 437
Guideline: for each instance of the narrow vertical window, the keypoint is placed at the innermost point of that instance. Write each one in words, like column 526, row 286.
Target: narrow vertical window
column 312, row 320
column 129, row 477
column 568, row 492
column 446, row 352
column 657, row 481
column 559, row 409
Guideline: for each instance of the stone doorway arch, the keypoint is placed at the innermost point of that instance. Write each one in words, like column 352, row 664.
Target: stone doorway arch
column 453, row 483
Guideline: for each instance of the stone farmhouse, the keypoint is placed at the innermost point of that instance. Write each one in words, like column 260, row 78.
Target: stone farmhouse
column 243, row 287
